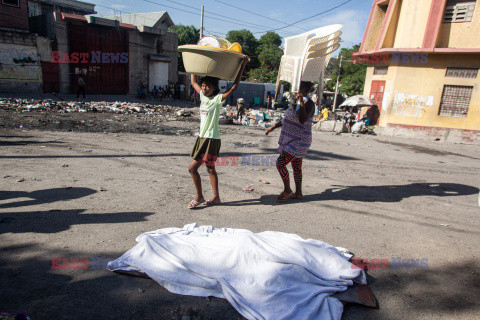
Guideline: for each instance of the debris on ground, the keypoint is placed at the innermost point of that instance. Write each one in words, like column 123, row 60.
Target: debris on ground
column 95, row 116
column 248, row 189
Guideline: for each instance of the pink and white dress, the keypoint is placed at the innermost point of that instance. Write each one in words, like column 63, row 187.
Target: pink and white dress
column 295, row 137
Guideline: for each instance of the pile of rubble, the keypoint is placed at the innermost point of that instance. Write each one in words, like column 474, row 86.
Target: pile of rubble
column 262, row 117
column 28, row 105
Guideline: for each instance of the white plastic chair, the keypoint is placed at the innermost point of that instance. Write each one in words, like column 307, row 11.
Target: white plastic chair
column 307, row 55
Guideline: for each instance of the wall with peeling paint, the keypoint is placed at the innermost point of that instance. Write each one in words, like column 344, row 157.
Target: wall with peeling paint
column 20, row 66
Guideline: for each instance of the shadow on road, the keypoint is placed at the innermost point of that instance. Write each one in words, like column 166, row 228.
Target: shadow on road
column 387, row 193
column 434, row 292
column 53, row 221
column 31, row 285
column 24, row 142
column 43, row 196
column 28, row 283
column 316, row 155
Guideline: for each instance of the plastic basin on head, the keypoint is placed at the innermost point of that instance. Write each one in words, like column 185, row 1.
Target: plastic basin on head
column 209, row 61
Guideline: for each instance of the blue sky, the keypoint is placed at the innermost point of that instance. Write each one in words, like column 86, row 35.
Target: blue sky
column 221, row 16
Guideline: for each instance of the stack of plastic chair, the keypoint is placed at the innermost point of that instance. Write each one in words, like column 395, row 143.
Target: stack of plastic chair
column 307, row 55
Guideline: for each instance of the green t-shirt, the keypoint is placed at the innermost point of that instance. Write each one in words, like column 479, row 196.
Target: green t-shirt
column 209, row 115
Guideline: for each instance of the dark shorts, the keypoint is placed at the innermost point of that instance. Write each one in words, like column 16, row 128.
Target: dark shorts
column 207, row 149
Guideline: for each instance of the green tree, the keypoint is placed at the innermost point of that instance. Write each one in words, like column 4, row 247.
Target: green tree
column 269, row 55
column 271, row 38
column 249, row 45
column 186, row 35
column 263, row 74
column 352, row 79
column 269, row 51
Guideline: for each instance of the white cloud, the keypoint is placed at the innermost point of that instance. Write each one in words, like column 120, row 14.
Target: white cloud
column 119, row 6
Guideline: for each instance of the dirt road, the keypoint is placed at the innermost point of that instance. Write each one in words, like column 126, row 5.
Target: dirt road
column 88, row 195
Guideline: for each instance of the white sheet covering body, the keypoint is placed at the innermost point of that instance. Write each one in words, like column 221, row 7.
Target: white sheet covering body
column 268, row 275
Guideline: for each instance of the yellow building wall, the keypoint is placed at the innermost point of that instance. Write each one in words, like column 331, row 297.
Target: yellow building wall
column 375, row 27
column 413, row 93
column 412, row 23
column 461, row 34
column 391, row 31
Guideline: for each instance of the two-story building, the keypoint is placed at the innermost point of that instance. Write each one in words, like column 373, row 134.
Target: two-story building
column 20, row 68
column 423, row 60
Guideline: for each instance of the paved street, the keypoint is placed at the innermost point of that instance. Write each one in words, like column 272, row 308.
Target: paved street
column 83, row 195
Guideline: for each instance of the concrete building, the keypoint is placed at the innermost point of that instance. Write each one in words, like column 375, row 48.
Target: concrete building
column 46, row 45
column 120, row 57
column 51, row 35
column 20, row 69
column 152, row 49
column 423, row 60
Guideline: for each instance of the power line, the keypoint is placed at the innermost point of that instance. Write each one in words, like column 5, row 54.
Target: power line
column 254, row 13
column 236, row 21
column 315, row 15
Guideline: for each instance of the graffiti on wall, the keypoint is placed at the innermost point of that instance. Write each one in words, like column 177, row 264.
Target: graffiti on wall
column 410, row 105
column 19, row 63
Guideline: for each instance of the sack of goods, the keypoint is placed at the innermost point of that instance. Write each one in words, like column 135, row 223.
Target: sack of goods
column 213, row 56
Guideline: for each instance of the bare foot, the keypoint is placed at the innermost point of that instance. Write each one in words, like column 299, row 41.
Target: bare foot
column 298, row 196
column 213, row 201
column 285, row 195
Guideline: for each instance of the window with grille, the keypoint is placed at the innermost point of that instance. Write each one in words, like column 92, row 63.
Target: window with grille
column 15, row 3
column 380, row 70
column 455, row 101
column 470, row 73
column 459, row 11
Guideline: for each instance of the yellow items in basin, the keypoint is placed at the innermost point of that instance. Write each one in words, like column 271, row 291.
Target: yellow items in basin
column 210, row 61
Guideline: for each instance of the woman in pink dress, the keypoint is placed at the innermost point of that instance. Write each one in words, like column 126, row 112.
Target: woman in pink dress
column 295, row 140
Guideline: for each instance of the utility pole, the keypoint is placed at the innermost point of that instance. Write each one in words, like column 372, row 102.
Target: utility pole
column 201, row 25
column 338, row 82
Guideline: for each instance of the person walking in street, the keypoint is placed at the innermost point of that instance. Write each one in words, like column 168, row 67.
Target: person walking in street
column 81, row 87
column 182, row 91
column 294, row 142
column 207, row 147
column 240, row 108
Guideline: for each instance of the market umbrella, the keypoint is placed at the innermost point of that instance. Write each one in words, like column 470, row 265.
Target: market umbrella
column 357, row 101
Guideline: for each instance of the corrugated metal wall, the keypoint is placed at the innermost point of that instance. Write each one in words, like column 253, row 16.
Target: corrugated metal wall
column 100, row 78
column 51, row 82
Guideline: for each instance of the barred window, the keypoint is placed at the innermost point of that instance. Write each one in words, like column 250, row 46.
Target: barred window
column 459, row 11
column 455, row 101
column 462, row 73
column 380, row 70
column 15, row 3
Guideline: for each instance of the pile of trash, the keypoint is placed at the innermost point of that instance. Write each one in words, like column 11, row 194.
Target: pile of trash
column 252, row 117
column 28, row 105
